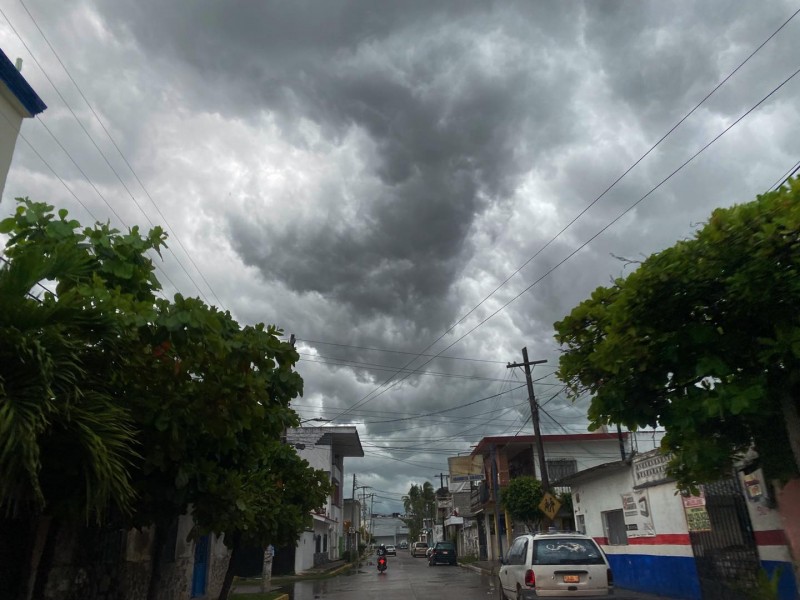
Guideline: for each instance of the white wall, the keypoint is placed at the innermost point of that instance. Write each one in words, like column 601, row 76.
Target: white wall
column 10, row 124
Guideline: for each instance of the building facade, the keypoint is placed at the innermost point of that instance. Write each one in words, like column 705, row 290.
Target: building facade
column 324, row 448
column 710, row 546
column 507, row 457
column 18, row 101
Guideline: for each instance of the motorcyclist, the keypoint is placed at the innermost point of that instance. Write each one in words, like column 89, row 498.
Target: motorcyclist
column 381, row 550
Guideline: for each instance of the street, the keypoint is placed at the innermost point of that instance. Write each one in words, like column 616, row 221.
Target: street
column 409, row 578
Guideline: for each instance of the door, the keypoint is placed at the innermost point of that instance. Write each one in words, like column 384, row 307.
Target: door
column 726, row 556
column 200, row 573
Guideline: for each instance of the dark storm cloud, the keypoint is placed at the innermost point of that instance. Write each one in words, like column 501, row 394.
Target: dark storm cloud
column 456, row 103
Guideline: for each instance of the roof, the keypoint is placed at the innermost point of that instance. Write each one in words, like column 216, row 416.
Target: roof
column 508, row 440
column 595, row 472
column 17, row 89
column 343, row 440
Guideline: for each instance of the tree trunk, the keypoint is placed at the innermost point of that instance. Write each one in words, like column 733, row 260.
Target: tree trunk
column 42, row 565
column 228, row 581
column 792, row 416
column 159, row 533
column 266, row 568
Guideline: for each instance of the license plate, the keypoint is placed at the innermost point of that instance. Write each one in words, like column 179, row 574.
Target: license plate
column 572, row 578
column 445, row 551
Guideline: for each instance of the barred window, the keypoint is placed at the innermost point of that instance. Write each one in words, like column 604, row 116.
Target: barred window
column 560, row 468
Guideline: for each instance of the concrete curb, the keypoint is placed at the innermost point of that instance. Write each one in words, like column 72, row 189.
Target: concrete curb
column 283, row 597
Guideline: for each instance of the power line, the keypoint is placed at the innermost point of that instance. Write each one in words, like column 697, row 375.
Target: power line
column 367, row 397
column 482, row 360
column 343, row 362
column 100, row 151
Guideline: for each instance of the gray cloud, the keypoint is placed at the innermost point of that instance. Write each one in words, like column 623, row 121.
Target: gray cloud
column 366, row 173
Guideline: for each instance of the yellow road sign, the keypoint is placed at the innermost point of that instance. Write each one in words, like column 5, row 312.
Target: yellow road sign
column 549, row 505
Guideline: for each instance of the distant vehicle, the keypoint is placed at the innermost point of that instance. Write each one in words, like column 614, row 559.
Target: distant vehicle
column 403, row 545
column 554, row 565
column 418, row 548
column 391, row 550
column 442, row 553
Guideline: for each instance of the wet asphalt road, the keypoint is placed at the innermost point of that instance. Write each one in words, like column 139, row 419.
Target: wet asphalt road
column 409, row 578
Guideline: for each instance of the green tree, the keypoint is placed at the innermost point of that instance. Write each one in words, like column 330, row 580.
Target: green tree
column 521, row 499
column 419, row 504
column 152, row 405
column 704, row 340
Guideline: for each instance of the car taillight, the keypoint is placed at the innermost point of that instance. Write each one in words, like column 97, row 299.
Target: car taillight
column 530, row 578
column 610, row 576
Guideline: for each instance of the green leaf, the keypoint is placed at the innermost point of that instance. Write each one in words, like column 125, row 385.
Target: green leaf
column 7, row 225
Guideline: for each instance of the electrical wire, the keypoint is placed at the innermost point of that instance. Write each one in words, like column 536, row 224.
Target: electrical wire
column 100, row 151
column 367, row 398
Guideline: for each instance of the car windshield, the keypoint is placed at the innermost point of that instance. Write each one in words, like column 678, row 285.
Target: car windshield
column 445, row 546
column 422, row 545
column 566, row 552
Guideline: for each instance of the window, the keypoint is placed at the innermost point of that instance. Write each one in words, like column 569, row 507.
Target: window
column 566, row 552
column 520, row 552
column 614, row 525
column 560, row 468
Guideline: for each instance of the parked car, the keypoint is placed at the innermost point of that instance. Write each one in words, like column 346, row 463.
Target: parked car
column 419, row 548
column 391, row 550
column 554, row 565
column 403, row 545
column 442, row 552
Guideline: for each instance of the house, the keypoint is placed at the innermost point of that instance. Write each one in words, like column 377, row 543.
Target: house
column 18, row 101
column 659, row 541
column 324, row 448
column 351, row 526
column 389, row 530
column 507, row 457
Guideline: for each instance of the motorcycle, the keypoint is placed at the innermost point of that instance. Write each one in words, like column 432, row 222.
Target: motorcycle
column 381, row 564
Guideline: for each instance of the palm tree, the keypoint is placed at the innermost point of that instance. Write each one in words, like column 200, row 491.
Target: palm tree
column 65, row 445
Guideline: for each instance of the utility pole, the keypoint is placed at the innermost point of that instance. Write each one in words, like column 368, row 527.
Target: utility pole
column 621, row 442
column 534, row 415
column 497, row 499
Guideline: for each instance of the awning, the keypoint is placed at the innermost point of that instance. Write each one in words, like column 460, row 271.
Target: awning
column 453, row 521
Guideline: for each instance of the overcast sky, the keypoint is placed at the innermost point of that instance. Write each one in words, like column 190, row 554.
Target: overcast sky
column 365, row 174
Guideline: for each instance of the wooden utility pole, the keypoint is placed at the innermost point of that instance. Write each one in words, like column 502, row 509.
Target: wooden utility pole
column 534, row 415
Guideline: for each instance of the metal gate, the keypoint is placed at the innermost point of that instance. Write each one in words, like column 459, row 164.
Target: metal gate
column 726, row 556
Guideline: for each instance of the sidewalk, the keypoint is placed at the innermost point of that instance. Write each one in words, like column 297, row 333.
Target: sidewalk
column 328, row 569
column 491, row 567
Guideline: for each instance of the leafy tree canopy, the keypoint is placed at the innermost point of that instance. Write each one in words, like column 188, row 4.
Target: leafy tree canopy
column 704, row 340
column 521, row 499
column 113, row 395
column 419, row 504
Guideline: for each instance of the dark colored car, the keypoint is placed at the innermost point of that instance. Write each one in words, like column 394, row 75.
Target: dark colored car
column 443, row 553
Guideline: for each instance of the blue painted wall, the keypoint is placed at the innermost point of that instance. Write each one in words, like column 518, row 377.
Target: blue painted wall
column 787, row 588
column 674, row 576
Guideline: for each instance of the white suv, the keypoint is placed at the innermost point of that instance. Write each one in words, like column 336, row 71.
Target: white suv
column 559, row 565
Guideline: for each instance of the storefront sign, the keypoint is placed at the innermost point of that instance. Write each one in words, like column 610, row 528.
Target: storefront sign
column 697, row 518
column 636, row 511
column 650, row 468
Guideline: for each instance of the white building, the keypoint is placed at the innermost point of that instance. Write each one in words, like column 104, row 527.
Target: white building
column 660, row 542
column 18, row 101
column 324, row 448
column 507, row 457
